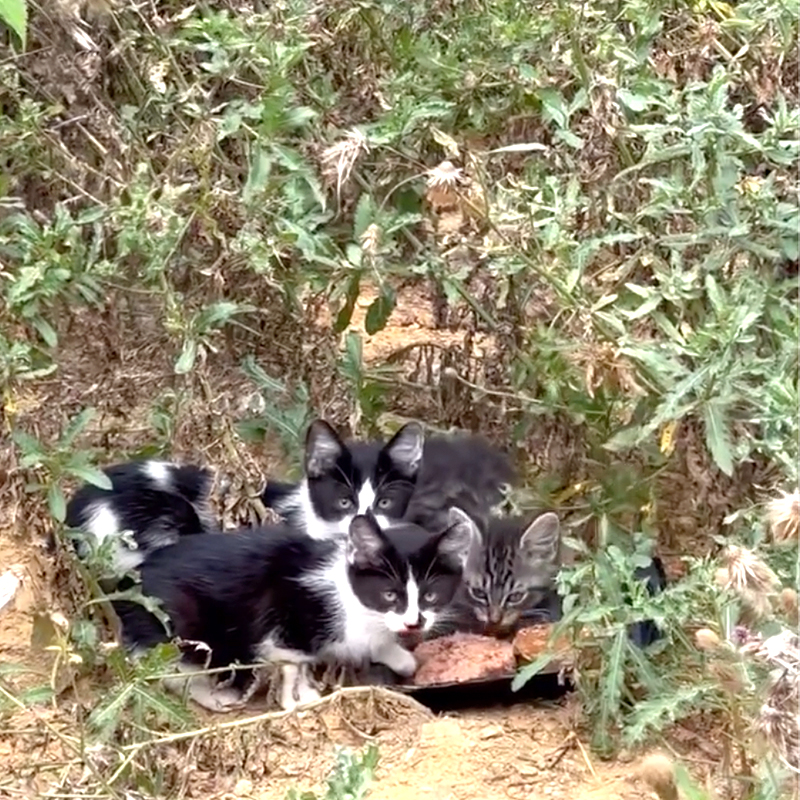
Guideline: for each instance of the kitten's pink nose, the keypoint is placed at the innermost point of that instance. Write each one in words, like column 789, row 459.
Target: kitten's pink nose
column 414, row 625
column 495, row 616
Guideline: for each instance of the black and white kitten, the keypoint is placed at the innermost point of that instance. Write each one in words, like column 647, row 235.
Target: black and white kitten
column 510, row 572
column 276, row 595
column 344, row 480
column 407, row 478
column 156, row 501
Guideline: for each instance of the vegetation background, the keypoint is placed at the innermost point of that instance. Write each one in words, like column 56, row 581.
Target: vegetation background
column 570, row 226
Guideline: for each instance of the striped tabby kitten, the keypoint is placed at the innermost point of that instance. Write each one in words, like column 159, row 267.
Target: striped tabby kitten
column 510, row 573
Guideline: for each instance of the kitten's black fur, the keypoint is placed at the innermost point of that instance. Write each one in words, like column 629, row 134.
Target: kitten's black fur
column 419, row 486
column 255, row 594
column 343, row 480
column 158, row 502
column 645, row 633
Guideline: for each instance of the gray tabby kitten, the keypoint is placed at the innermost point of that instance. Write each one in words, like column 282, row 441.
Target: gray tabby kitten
column 509, row 573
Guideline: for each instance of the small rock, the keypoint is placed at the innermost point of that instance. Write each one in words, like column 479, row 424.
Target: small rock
column 243, row 788
column 491, row 731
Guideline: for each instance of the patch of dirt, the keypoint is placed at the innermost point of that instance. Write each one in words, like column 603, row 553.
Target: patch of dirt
column 411, row 325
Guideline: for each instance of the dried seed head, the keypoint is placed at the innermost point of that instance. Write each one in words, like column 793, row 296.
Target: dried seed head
column 778, row 720
column 722, row 578
column 747, row 572
column 729, row 677
column 443, row 184
column 783, row 515
column 370, row 240
column 788, row 603
column 339, row 159
column 706, row 639
column 658, row 771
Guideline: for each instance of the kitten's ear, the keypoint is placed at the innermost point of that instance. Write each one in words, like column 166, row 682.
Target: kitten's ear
column 541, row 541
column 323, row 447
column 404, row 449
column 461, row 536
column 365, row 542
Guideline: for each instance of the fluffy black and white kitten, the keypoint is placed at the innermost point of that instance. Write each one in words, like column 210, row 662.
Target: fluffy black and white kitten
column 156, row 501
column 407, row 478
column 344, row 480
column 277, row 595
column 510, row 572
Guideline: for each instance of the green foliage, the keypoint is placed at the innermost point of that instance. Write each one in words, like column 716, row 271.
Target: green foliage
column 636, row 258
column 349, row 779
column 14, row 13
column 278, row 411
column 52, row 464
column 631, row 694
column 136, row 700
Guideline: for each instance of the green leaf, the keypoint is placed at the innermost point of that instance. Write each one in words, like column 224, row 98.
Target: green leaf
column 30, row 446
column 718, row 435
column 260, row 378
column 76, row 426
column 56, row 502
column 351, row 295
column 365, row 213
column 187, row 357
column 217, row 314
column 168, row 709
column 625, row 439
column 379, row 311
column 553, row 107
column 260, row 167
column 635, row 102
column 690, row 790
column 14, row 13
column 93, row 476
column 613, row 678
column 44, row 328
column 105, row 717
column 524, row 674
column 91, row 214
column 715, row 295
column 37, row 695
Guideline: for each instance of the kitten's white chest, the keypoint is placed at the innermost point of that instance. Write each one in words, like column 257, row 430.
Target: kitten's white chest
column 362, row 631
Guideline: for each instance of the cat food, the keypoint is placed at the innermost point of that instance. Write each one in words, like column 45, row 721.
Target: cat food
column 463, row 657
column 530, row 643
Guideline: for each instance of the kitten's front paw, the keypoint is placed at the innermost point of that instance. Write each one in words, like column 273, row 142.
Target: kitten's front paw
column 398, row 659
column 296, row 688
column 219, row 700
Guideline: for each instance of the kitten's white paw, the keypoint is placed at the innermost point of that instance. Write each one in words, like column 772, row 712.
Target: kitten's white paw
column 227, row 699
column 296, row 688
column 397, row 658
column 307, row 694
column 219, row 700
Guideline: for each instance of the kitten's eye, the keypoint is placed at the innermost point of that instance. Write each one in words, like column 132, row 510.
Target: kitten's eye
column 344, row 503
column 478, row 595
column 515, row 598
column 389, row 596
column 384, row 502
column 430, row 597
